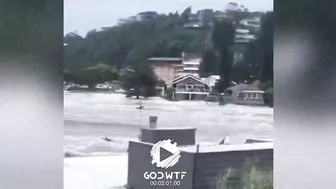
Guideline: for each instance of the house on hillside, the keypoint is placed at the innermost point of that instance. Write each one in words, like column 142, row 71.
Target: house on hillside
column 245, row 94
column 143, row 16
column 127, row 20
column 190, row 65
column 181, row 75
column 169, row 68
column 189, row 87
column 148, row 15
column 200, row 20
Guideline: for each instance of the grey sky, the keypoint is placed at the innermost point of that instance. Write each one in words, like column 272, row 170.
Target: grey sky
column 85, row 15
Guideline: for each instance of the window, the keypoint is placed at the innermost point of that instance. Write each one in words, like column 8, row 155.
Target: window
column 240, row 96
column 254, row 96
column 189, row 87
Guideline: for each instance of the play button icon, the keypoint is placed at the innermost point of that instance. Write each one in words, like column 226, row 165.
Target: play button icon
column 165, row 154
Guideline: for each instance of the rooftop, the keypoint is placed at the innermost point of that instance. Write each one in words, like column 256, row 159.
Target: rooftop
column 214, row 76
column 253, row 91
column 193, row 62
column 187, row 76
column 228, row 148
column 191, row 68
column 170, row 128
column 148, row 13
column 254, row 140
column 243, row 87
column 214, row 148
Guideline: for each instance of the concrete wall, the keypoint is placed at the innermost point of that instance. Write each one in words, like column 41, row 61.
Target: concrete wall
column 139, row 162
column 210, row 166
column 180, row 136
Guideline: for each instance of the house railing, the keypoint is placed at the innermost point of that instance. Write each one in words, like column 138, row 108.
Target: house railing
column 192, row 90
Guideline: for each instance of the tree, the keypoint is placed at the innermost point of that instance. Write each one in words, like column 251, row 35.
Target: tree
column 248, row 69
column 102, row 72
column 209, row 63
column 223, row 39
column 132, row 43
column 140, row 81
column 185, row 15
column 249, row 176
column 91, row 76
column 266, row 43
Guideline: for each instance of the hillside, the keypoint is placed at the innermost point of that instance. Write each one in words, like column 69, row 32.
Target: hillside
column 121, row 46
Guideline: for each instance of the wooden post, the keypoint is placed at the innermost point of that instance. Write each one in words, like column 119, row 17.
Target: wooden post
column 189, row 96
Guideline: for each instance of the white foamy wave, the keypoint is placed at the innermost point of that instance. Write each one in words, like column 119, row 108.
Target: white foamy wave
column 88, row 146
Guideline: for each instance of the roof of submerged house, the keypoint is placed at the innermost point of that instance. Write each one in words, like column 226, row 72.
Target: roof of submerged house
column 244, row 87
column 178, row 79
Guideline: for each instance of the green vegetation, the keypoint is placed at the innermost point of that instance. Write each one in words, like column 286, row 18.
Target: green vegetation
column 250, row 177
column 133, row 43
column 223, row 35
column 91, row 76
column 130, row 45
column 257, row 62
column 140, row 81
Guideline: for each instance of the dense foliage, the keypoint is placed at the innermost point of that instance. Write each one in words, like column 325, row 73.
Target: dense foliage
column 249, row 176
column 257, row 62
column 91, row 76
column 223, row 35
column 130, row 45
column 139, row 81
column 133, row 43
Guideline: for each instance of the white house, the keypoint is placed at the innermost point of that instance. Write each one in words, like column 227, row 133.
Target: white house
column 189, row 87
column 190, row 65
column 211, row 80
column 246, row 94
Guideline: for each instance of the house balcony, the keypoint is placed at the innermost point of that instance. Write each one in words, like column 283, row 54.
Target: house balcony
column 194, row 90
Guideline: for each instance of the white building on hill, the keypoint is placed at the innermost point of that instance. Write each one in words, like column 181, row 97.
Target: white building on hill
column 190, row 65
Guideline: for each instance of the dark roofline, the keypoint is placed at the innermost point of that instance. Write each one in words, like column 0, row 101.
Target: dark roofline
column 182, row 78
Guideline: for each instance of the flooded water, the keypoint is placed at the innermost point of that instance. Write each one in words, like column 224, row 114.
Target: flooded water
column 91, row 116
